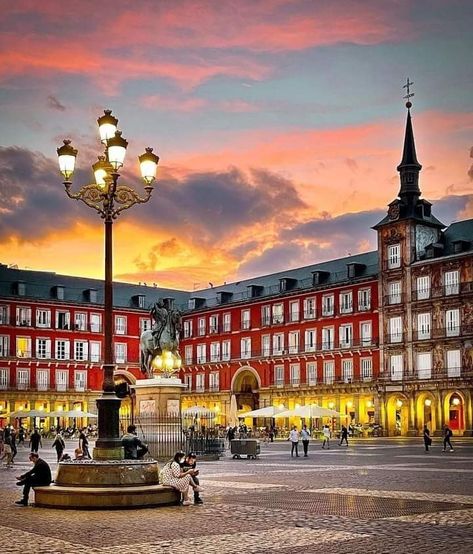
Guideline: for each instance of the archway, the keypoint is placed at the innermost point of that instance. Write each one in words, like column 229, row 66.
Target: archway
column 397, row 415
column 245, row 386
column 123, row 379
column 425, row 410
column 454, row 411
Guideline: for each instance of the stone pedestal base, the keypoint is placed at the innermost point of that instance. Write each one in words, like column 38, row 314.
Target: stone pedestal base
column 103, row 454
column 412, row 433
column 159, row 395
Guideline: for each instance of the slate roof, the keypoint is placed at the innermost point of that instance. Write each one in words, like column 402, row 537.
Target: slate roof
column 461, row 230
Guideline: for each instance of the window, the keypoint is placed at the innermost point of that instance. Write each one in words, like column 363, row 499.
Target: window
column 4, row 346
column 200, row 382
column 95, row 348
column 395, row 329
column 4, row 378
column 451, row 281
column 266, row 345
column 188, row 328
column 245, row 319
column 278, row 344
column 345, row 334
column 80, row 321
column 201, row 326
column 81, row 350
column 188, row 354
column 213, row 324
column 453, row 363
column 120, row 353
column 63, row 320
column 279, row 375
column 294, row 342
column 245, row 346
column 311, row 374
column 265, row 315
column 188, row 381
column 278, row 316
column 227, row 323
column 201, row 353
column 309, row 308
column 226, row 351
column 294, row 310
column 366, row 369
column 95, row 323
column 327, row 304
column 23, row 347
column 310, row 340
column 423, row 287
column 346, row 302
column 43, row 318
column 145, row 324
column 215, row 352
column 365, row 332
column 396, row 367
column 62, row 379
column 120, row 325
column 452, row 322
column 327, row 338
column 329, row 372
column 295, row 374
column 80, row 381
column 42, row 379
column 347, row 370
column 62, row 349
column 22, row 379
column 364, row 300
column 4, row 319
column 43, row 348
column 23, row 316
column 214, row 381
column 423, row 326
column 394, row 256
column 424, row 365
column 394, row 292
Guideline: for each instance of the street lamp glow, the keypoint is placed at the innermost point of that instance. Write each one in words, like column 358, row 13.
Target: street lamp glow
column 107, row 126
column 148, row 165
column 116, row 150
column 399, row 403
column 67, row 159
column 101, row 169
column 428, row 402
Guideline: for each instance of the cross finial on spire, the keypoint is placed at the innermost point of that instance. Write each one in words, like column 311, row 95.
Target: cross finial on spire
column 409, row 93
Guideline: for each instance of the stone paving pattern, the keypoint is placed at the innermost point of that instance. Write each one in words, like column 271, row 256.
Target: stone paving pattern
column 376, row 496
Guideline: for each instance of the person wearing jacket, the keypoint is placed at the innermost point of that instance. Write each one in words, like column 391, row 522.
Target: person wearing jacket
column 39, row 476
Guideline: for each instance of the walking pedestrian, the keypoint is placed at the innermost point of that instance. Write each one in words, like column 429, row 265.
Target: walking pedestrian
column 40, row 475
column 7, row 451
column 294, row 438
column 59, row 445
column 343, row 436
column 305, row 436
column 327, row 435
column 427, row 438
column 84, row 443
column 21, row 436
column 35, row 441
column 447, row 435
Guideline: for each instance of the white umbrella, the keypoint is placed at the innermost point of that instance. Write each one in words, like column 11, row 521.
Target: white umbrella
column 233, row 416
column 309, row 411
column 268, row 411
column 28, row 413
column 197, row 411
column 72, row 413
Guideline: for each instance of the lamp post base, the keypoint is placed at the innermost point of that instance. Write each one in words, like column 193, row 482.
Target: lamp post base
column 108, row 445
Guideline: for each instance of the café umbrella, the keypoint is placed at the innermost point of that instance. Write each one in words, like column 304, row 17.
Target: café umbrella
column 311, row 411
column 268, row 411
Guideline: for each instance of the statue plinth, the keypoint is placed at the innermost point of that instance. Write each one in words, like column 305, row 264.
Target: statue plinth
column 158, row 395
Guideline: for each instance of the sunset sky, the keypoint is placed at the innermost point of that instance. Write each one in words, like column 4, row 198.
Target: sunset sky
column 279, row 124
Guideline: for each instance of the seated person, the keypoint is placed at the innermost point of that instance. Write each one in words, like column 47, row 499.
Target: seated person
column 40, row 475
column 134, row 448
column 173, row 476
column 190, row 462
column 78, row 454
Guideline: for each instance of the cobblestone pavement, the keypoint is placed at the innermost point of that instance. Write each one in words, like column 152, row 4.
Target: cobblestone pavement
column 376, row 496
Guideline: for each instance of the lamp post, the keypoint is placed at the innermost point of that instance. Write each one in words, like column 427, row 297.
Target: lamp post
column 109, row 199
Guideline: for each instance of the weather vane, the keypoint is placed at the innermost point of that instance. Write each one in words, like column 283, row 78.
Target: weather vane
column 409, row 93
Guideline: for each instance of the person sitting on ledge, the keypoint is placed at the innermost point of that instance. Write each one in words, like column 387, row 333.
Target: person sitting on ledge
column 78, row 454
column 190, row 462
column 134, row 448
column 173, row 476
column 39, row 476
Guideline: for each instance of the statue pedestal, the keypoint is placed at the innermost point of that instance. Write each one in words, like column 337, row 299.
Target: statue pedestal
column 159, row 395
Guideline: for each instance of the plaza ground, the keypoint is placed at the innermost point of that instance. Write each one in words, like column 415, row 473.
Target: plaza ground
column 377, row 495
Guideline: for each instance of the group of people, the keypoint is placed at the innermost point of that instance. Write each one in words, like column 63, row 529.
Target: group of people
column 305, row 436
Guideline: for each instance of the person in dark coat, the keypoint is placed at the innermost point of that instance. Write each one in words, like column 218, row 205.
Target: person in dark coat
column 134, row 448
column 343, row 436
column 190, row 462
column 14, row 449
column 59, row 445
column 427, row 439
column 84, row 443
column 35, row 441
column 447, row 435
column 39, row 476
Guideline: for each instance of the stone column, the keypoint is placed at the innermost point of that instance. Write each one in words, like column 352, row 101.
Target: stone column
column 468, row 415
column 412, row 430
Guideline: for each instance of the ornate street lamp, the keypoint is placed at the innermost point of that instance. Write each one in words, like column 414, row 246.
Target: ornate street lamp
column 109, row 199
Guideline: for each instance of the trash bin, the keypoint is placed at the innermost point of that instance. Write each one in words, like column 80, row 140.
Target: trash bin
column 245, row 447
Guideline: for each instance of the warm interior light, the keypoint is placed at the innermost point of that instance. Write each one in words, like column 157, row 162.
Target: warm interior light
column 349, row 404
column 369, row 404
column 148, row 165
column 67, row 159
column 217, row 408
column 428, row 402
column 107, row 125
column 331, row 405
column 60, row 408
column 455, row 401
column 116, row 150
column 399, row 403
column 281, row 406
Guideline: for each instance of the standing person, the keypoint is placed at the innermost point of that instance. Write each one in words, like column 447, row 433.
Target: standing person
column 39, row 476
column 190, row 464
column 84, row 443
column 294, row 438
column 134, row 448
column 21, row 436
column 35, row 441
column 59, row 445
column 7, row 451
column 343, row 436
column 14, row 449
column 447, row 435
column 327, row 435
column 305, row 436
column 427, row 439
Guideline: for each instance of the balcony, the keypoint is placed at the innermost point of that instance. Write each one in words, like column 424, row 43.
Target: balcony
column 346, row 308
column 395, row 338
column 310, row 314
column 365, row 307
column 214, row 388
column 428, row 374
column 214, row 329
column 245, row 325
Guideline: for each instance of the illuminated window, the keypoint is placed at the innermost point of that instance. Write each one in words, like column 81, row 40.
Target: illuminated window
column 23, row 347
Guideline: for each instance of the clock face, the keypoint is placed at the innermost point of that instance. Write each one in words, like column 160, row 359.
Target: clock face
column 393, row 212
column 424, row 237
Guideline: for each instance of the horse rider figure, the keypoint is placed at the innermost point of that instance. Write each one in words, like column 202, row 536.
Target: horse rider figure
column 160, row 314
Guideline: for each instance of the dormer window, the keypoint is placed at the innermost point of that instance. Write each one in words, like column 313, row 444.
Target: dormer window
column 91, row 295
column 58, row 292
column 19, row 288
column 139, row 300
column 286, row 284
